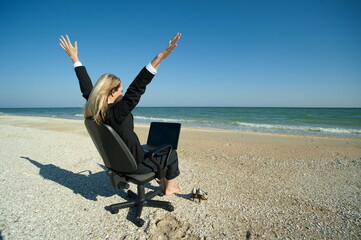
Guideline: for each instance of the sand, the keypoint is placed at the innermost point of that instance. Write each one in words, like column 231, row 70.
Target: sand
column 260, row 186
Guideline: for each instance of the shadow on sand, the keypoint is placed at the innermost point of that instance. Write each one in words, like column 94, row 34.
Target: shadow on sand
column 87, row 184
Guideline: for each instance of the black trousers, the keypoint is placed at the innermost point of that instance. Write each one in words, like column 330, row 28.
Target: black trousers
column 148, row 166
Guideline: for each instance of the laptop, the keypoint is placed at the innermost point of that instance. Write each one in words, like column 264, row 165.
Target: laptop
column 162, row 133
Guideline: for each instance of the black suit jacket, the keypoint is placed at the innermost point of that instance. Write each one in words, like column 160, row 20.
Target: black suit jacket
column 119, row 115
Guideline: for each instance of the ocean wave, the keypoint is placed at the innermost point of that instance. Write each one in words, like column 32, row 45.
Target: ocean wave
column 170, row 120
column 298, row 128
column 78, row 115
column 256, row 126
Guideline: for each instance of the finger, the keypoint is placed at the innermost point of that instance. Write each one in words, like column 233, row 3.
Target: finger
column 63, row 41
column 172, row 45
column 68, row 39
column 63, row 38
column 176, row 37
column 175, row 40
column 62, row 47
column 76, row 45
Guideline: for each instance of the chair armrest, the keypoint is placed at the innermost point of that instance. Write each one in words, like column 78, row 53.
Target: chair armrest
column 160, row 170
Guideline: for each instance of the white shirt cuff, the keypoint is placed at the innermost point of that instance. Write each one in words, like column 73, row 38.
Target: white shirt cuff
column 77, row 64
column 151, row 69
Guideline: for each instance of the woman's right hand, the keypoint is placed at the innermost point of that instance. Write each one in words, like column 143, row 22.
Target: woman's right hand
column 165, row 53
column 71, row 50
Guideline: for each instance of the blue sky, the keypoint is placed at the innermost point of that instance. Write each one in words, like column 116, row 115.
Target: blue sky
column 282, row 53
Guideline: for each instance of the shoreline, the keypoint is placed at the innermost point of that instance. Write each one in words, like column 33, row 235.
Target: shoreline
column 146, row 125
column 342, row 122
column 266, row 186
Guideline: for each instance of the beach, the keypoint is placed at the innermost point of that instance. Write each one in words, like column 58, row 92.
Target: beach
column 260, row 186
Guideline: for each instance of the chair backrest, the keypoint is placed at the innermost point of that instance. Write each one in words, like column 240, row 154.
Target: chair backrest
column 111, row 147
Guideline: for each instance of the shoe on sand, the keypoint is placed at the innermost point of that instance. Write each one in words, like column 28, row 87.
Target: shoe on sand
column 201, row 194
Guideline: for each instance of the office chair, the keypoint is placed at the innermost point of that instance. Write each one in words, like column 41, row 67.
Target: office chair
column 121, row 163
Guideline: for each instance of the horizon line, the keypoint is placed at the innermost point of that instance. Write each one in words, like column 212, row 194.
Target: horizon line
column 200, row 107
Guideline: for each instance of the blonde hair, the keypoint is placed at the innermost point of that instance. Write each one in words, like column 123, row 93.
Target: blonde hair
column 97, row 103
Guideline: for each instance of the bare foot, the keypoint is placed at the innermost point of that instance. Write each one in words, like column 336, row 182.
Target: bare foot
column 170, row 190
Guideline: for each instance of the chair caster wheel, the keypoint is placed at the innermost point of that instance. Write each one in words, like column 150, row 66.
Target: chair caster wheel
column 170, row 208
column 111, row 210
column 139, row 222
column 115, row 211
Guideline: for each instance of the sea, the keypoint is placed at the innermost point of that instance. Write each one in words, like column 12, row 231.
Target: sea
column 340, row 122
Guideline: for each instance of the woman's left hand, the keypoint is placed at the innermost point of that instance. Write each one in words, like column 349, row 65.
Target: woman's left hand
column 71, row 50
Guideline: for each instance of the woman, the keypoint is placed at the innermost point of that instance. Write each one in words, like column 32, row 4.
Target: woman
column 106, row 103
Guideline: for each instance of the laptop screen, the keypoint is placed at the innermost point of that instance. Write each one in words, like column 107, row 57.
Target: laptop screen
column 161, row 133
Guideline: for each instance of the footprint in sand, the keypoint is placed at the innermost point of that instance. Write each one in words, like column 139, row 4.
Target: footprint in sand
column 169, row 227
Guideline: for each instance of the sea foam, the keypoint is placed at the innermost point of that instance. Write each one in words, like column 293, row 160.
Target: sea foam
column 297, row 129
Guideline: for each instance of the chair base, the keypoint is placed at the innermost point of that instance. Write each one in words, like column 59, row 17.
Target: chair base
column 139, row 201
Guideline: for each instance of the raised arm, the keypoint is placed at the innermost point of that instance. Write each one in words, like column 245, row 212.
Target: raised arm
column 137, row 88
column 85, row 82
